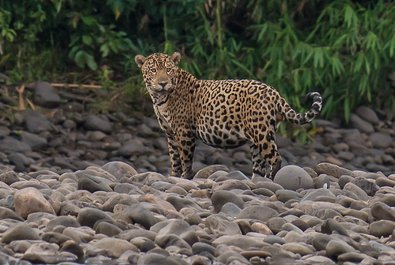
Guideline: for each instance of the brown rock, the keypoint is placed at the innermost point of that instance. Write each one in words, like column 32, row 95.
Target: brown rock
column 30, row 200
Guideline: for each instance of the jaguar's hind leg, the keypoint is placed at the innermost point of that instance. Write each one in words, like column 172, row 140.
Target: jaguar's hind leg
column 266, row 160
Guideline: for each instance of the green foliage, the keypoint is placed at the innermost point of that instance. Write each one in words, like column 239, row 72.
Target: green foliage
column 344, row 49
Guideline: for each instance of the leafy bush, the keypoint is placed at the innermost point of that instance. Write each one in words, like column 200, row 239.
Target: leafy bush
column 344, row 49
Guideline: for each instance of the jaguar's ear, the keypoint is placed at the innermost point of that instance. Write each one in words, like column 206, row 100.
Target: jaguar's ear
column 176, row 57
column 139, row 59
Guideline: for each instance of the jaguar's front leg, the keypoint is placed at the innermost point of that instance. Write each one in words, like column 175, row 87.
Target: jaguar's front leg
column 186, row 148
column 175, row 161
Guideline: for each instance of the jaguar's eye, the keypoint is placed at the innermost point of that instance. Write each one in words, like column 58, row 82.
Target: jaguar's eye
column 169, row 70
column 153, row 70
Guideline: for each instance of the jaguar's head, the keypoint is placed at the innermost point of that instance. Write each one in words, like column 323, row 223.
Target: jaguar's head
column 159, row 72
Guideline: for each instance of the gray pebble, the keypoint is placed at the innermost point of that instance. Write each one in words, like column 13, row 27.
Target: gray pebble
column 293, row 178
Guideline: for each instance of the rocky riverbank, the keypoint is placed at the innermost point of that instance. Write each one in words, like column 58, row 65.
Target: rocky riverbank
column 78, row 187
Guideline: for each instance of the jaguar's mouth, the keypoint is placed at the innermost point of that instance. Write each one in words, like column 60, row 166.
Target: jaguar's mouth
column 160, row 90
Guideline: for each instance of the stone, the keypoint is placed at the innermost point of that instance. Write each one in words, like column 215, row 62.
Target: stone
column 114, row 247
column 20, row 161
column 7, row 213
column 133, row 233
column 388, row 199
column 143, row 244
column 230, row 209
column 72, row 247
column 45, row 95
column 331, row 225
column 320, row 260
column 367, row 114
column 286, row 195
column 344, row 179
column 381, row 140
column 135, row 214
column 66, row 221
column 357, row 191
column 383, row 181
column 155, row 258
column 30, row 200
column 381, row 228
column 97, row 123
column 381, row 211
column 274, row 239
column 275, row 224
column 337, row 247
column 119, row 169
column 332, row 170
column 115, row 199
column 298, row 248
column 261, row 228
column 269, row 185
column 132, row 147
column 231, row 184
column 293, row 177
column 89, row 216
column 172, row 241
column 370, row 187
column 147, row 178
column 355, row 257
column 319, row 241
column 361, row 124
column 107, row 229
column 83, row 234
column 191, row 216
column 257, row 212
column 221, row 197
column 322, row 181
column 36, row 122
column 242, row 241
column 8, row 177
column 47, row 253
column 20, row 232
column 201, row 248
column 209, row 170
column 55, row 237
column 11, row 145
column 237, row 174
column 33, row 140
column 319, row 194
column 93, row 183
column 263, row 191
column 180, row 203
column 219, row 225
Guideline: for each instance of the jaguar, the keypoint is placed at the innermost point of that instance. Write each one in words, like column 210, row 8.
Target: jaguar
column 221, row 113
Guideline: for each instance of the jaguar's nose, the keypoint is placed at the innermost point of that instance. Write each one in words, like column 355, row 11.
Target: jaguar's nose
column 163, row 83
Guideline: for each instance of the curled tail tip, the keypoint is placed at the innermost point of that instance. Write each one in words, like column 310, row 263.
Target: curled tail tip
column 314, row 95
column 317, row 101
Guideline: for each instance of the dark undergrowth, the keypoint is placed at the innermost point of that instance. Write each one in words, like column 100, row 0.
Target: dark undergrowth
column 343, row 49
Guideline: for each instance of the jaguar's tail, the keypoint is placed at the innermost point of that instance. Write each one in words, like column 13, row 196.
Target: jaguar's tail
column 289, row 114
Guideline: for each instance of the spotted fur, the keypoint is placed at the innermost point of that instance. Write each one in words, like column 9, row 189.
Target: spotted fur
column 222, row 113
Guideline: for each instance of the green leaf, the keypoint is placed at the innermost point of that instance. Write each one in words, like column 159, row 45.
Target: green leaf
column 358, row 63
column 87, row 40
column 318, row 58
column 88, row 20
column 79, row 58
column 90, row 61
column 104, row 49
column 350, row 17
column 57, row 4
column 347, row 108
column 337, row 66
column 242, row 67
